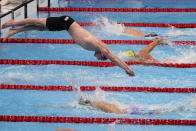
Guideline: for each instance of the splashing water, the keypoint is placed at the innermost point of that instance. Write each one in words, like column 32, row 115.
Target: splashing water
column 175, row 33
column 111, row 127
column 185, row 56
column 97, row 95
column 75, row 87
column 108, row 27
column 185, row 107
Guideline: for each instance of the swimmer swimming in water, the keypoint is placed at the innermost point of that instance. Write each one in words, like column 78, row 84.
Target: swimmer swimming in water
column 82, row 37
column 144, row 54
column 136, row 33
column 133, row 109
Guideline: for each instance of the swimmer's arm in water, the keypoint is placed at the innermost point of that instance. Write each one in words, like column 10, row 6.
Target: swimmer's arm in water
column 134, row 32
column 116, row 60
column 150, row 47
column 106, row 107
column 55, row 106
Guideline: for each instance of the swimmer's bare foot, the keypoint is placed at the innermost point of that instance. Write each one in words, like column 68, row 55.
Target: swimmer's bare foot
column 7, row 24
column 9, row 34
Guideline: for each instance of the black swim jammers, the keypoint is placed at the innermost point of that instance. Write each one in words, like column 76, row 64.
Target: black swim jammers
column 59, row 23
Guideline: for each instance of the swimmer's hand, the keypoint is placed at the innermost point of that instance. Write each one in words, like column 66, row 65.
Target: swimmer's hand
column 164, row 42
column 130, row 72
column 161, row 41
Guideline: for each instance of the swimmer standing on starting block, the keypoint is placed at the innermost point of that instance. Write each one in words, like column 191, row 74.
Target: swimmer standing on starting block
column 84, row 38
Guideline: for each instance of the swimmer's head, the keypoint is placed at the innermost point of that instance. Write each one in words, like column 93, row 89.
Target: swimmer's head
column 100, row 56
column 151, row 35
column 129, row 54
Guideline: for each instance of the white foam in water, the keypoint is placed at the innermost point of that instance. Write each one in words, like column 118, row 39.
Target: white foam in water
column 185, row 107
column 174, row 32
column 107, row 27
column 186, row 55
column 111, row 127
column 13, row 76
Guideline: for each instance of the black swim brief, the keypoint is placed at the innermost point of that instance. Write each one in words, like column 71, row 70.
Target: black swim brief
column 59, row 23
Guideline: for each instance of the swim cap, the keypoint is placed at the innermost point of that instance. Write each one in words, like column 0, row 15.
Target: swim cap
column 151, row 35
column 130, row 53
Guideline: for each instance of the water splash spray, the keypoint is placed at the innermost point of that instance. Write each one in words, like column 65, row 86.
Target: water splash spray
column 108, row 27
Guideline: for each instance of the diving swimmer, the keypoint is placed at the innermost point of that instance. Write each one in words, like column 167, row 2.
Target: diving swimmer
column 82, row 37
column 144, row 54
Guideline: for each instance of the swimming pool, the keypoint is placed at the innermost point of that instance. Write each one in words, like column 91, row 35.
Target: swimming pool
column 25, row 102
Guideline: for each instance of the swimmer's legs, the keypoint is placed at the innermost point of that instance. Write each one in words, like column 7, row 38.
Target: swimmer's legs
column 28, row 21
column 24, row 28
column 164, row 110
column 172, row 109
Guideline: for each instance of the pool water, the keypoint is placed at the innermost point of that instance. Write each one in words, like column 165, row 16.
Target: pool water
column 26, row 102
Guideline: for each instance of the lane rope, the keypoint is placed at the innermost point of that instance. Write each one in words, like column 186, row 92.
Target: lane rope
column 93, row 88
column 89, row 63
column 70, row 41
column 117, row 9
column 176, row 25
column 96, row 120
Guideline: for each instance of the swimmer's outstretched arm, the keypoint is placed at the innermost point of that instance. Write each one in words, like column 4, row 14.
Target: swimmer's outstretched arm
column 54, row 106
column 134, row 32
column 151, row 46
column 116, row 60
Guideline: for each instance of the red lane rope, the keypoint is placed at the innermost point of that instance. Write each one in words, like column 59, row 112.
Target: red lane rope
column 118, row 9
column 96, row 120
column 70, row 41
column 90, row 63
column 177, row 25
column 93, row 88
